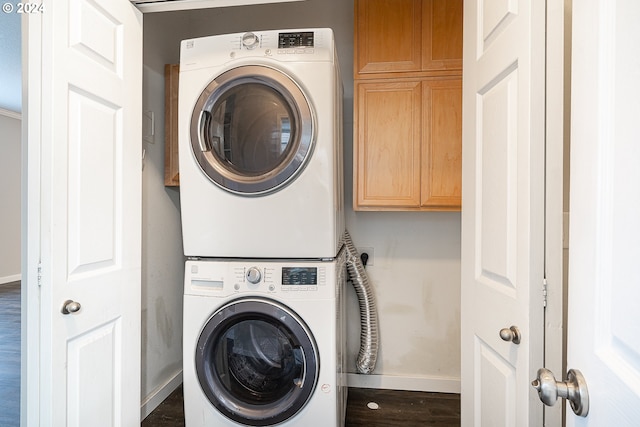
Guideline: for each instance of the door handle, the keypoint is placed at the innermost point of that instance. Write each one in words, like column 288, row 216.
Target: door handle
column 205, row 137
column 574, row 389
column 299, row 382
column 70, row 307
column 511, row 334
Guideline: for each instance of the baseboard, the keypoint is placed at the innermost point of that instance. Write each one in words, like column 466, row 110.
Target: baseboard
column 9, row 279
column 157, row 396
column 392, row 382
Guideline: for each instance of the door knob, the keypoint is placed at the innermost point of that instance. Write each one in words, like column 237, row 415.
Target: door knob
column 70, row 307
column 574, row 389
column 511, row 334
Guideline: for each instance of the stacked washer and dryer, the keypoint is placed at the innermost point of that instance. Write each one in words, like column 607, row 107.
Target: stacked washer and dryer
column 261, row 189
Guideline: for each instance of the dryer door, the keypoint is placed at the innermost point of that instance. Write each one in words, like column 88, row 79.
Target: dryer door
column 252, row 130
column 257, row 362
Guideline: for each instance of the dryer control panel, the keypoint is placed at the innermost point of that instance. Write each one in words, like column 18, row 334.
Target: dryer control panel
column 310, row 44
column 295, row 40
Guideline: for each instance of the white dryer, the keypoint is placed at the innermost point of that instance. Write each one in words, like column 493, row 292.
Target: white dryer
column 264, row 343
column 260, row 145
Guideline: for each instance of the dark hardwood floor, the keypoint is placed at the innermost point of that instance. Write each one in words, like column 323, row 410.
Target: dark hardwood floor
column 402, row 408
column 395, row 408
column 10, row 354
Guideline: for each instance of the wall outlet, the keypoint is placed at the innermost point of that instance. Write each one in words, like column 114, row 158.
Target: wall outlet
column 369, row 251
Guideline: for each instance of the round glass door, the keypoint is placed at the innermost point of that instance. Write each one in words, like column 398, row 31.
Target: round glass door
column 256, row 362
column 252, row 130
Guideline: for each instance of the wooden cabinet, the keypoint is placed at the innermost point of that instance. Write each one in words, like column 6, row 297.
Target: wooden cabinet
column 408, row 144
column 408, row 105
column 171, row 172
column 387, row 36
column 442, row 144
column 388, row 143
column 407, row 36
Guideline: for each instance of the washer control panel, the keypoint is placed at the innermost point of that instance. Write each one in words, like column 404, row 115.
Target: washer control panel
column 286, row 278
column 229, row 277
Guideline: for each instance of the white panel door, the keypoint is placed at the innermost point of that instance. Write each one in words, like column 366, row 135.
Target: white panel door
column 604, row 278
column 503, row 210
column 85, row 94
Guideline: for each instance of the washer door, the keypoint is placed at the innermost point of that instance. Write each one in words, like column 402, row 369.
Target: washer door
column 252, row 130
column 256, row 362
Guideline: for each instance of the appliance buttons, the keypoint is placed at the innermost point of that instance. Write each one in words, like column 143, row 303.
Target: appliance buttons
column 253, row 275
column 250, row 40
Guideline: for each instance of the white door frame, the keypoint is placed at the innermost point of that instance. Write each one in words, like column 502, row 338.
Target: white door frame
column 556, row 100
column 30, row 294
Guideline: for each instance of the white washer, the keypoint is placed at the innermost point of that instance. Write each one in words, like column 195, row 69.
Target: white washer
column 264, row 343
column 260, row 145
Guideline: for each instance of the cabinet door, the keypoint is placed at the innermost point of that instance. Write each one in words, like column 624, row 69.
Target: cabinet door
column 387, row 144
column 387, row 36
column 442, row 144
column 442, row 35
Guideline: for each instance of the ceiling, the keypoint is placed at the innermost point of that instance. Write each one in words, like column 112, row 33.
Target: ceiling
column 10, row 60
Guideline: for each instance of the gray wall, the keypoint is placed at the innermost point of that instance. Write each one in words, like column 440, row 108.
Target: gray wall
column 416, row 263
column 10, row 143
column 162, row 258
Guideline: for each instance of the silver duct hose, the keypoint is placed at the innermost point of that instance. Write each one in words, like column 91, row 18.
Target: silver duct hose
column 368, row 354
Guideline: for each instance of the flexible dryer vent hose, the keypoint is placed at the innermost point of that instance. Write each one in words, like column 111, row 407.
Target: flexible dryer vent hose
column 368, row 354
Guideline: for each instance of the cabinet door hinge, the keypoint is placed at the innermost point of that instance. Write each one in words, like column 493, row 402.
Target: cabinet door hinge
column 544, row 292
column 39, row 273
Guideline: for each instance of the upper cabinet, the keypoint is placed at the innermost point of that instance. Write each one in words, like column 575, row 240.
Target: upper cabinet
column 407, row 36
column 408, row 105
column 442, row 35
column 388, row 36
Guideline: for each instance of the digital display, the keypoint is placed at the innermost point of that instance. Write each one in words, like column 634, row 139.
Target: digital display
column 293, row 40
column 299, row 276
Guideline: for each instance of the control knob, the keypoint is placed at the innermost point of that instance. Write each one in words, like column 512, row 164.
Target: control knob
column 253, row 275
column 250, row 40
